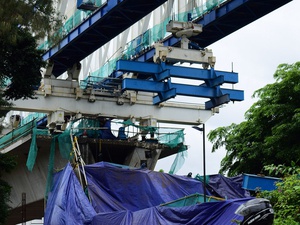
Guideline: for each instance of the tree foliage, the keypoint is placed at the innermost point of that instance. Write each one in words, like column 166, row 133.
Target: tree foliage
column 21, row 65
column 22, row 23
column 270, row 134
column 286, row 198
column 7, row 163
column 37, row 17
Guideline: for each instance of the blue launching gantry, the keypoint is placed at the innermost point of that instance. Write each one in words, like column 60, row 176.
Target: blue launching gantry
column 157, row 76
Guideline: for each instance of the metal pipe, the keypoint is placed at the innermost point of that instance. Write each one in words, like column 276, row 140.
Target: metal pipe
column 204, row 162
column 204, row 166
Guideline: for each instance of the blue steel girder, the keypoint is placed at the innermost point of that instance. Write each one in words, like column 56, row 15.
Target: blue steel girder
column 102, row 26
column 222, row 21
column 160, row 72
column 167, row 90
column 158, row 81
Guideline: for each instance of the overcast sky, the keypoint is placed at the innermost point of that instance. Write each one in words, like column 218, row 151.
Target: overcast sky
column 255, row 51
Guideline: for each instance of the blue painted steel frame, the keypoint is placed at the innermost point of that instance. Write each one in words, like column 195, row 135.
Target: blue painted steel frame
column 160, row 82
column 162, row 71
column 167, row 90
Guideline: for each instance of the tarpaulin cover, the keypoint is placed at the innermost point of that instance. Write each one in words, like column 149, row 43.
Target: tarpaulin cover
column 211, row 213
column 131, row 196
column 67, row 203
column 113, row 189
column 227, row 187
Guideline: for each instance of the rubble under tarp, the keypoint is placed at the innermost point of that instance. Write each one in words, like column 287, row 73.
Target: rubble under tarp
column 124, row 196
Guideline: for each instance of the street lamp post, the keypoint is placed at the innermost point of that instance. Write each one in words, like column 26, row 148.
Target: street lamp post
column 202, row 129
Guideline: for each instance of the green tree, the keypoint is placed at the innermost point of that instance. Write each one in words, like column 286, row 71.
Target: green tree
column 21, row 65
column 7, row 163
column 286, row 198
column 38, row 17
column 270, row 134
column 22, row 24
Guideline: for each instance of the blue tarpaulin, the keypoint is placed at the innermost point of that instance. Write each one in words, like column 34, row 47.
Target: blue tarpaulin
column 227, row 187
column 131, row 196
column 211, row 213
column 67, row 202
column 112, row 188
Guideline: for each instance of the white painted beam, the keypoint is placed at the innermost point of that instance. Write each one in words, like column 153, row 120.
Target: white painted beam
column 168, row 112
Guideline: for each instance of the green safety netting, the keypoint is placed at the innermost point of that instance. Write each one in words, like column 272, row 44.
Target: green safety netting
column 27, row 126
column 31, row 117
column 33, row 149
column 199, row 177
column 16, row 134
column 191, row 200
column 91, row 80
column 51, row 165
column 91, row 127
column 88, row 127
column 179, row 160
column 150, row 129
column 65, row 146
column 173, row 139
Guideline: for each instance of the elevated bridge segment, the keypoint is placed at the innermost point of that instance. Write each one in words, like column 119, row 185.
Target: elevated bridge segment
column 102, row 26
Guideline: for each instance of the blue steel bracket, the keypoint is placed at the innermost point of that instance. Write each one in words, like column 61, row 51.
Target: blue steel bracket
column 161, row 82
column 215, row 80
column 167, row 90
column 164, row 96
column 214, row 102
column 168, row 93
column 160, row 72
